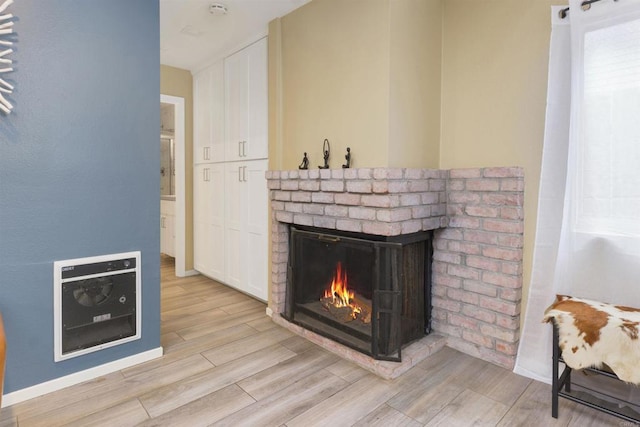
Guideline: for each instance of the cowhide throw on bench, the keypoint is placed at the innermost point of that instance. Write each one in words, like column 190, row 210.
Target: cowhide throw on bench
column 592, row 333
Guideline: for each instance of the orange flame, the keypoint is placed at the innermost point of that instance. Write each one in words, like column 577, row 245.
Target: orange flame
column 339, row 293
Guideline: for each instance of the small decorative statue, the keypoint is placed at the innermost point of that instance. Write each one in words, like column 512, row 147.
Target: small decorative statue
column 305, row 162
column 326, row 149
column 348, row 157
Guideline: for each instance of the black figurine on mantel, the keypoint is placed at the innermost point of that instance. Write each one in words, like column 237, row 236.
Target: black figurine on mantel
column 348, row 157
column 305, row 162
column 326, row 149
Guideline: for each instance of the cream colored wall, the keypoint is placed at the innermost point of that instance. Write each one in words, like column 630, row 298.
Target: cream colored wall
column 414, row 83
column 178, row 82
column 335, row 75
column 415, row 64
column 494, row 85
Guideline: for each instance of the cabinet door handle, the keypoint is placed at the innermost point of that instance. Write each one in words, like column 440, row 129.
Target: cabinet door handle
column 244, row 173
column 244, row 148
column 239, row 148
column 239, row 173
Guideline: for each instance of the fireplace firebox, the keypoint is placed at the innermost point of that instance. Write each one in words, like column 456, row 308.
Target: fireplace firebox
column 371, row 293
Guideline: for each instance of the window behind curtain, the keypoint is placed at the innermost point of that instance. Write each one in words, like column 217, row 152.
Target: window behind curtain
column 608, row 172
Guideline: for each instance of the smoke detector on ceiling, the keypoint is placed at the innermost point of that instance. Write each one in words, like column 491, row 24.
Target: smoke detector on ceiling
column 217, row 9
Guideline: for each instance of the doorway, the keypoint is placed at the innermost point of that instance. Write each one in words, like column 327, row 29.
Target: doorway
column 179, row 159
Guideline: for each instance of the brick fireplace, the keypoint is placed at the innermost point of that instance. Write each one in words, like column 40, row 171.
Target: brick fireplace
column 477, row 219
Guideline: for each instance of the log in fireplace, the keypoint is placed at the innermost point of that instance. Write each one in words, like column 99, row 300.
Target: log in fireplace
column 369, row 292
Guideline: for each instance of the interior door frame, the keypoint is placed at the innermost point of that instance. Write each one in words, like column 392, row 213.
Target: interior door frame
column 179, row 144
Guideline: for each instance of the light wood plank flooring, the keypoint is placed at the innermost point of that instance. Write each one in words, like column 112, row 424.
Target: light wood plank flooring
column 227, row 364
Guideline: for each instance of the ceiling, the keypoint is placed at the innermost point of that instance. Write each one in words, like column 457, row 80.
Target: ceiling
column 191, row 36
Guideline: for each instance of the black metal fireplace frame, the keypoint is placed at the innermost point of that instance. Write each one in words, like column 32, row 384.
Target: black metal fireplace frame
column 387, row 302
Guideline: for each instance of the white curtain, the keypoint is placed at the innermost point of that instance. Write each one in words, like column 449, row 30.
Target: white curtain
column 588, row 231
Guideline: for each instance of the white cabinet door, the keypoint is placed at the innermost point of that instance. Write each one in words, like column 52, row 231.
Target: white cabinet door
column 245, row 74
column 256, row 146
column 256, row 229
column 246, row 227
column 167, row 227
column 208, row 220
column 208, row 110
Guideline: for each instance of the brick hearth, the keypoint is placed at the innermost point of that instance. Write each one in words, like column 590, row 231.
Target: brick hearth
column 477, row 215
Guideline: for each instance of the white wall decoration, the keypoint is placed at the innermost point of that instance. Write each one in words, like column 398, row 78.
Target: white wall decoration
column 6, row 27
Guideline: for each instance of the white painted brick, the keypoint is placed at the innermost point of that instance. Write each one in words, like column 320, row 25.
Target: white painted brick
column 349, row 225
column 301, row 196
column 430, row 198
column 503, row 172
column 398, row 187
column 314, row 173
column 439, row 210
column 277, row 205
column 465, row 173
column 437, row 185
column 284, row 217
column 413, row 173
column 420, row 186
column 325, row 173
column 284, row 175
column 362, row 213
column 347, row 199
column 359, row 187
column 294, row 174
column 336, row 210
column 380, row 173
column 380, row 186
column 303, row 174
column 420, row 212
column 313, row 209
column 394, row 215
column 431, row 224
column 324, row 222
column 364, row 173
column 412, row 226
column 380, row 201
column 381, row 228
column 309, row 185
column 410, row 199
column 302, row 219
column 289, row 184
column 333, row 186
column 284, row 196
column 483, row 185
column 293, row 207
column 273, row 184
column 337, row 173
column 350, row 173
column 322, row 197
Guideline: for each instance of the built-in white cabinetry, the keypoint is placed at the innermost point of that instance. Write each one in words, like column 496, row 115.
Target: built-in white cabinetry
column 208, row 220
column 230, row 199
column 246, row 103
column 208, row 112
column 167, row 227
column 246, row 225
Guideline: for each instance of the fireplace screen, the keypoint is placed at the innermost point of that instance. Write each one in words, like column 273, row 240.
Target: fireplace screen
column 367, row 292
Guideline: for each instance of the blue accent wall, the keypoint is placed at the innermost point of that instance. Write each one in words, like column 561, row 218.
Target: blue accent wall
column 79, row 167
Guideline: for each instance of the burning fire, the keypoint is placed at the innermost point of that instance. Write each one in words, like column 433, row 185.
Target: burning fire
column 339, row 294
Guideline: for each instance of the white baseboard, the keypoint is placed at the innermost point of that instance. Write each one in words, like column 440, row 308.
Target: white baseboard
column 78, row 377
column 191, row 273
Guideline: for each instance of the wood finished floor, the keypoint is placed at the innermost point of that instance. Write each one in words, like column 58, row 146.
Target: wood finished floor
column 227, row 364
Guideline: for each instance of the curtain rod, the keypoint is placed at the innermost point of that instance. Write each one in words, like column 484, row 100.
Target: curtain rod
column 586, row 5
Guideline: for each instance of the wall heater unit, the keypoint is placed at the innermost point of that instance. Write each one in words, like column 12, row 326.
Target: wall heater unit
column 96, row 303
